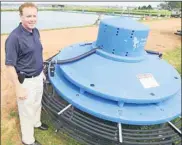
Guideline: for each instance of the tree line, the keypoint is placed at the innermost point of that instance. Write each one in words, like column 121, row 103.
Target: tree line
column 165, row 5
column 170, row 5
column 149, row 7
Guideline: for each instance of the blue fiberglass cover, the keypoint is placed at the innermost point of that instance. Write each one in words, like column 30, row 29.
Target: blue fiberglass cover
column 121, row 82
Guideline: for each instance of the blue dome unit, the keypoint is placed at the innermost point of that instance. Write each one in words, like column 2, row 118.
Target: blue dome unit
column 113, row 91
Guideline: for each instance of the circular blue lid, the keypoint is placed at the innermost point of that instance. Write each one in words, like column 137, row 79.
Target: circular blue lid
column 131, row 93
column 140, row 82
column 120, row 82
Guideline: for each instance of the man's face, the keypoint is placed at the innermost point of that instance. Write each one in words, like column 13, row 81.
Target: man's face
column 29, row 18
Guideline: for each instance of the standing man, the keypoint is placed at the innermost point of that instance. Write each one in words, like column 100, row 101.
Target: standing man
column 24, row 63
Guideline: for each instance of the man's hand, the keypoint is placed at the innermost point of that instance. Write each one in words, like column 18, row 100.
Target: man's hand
column 21, row 93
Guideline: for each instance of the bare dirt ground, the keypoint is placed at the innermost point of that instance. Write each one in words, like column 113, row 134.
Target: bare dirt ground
column 161, row 38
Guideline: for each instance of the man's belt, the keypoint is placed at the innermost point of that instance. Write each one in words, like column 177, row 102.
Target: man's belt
column 22, row 76
column 33, row 76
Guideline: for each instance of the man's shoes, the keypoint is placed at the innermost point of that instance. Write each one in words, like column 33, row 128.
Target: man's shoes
column 43, row 127
column 35, row 143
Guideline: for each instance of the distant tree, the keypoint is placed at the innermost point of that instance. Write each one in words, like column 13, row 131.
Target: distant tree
column 174, row 5
column 163, row 5
column 139, row 8
column 170, row 5
column 149, row 7
column 144, row 8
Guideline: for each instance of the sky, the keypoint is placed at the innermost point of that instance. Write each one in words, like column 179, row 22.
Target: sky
column 153, row 4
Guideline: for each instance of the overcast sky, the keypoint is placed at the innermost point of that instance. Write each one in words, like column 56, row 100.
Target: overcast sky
column 153, row 4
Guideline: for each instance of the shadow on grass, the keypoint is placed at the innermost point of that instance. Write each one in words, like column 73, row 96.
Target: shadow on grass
column 52, row 137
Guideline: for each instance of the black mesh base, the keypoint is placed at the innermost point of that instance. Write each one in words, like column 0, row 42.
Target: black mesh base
column 91, row 130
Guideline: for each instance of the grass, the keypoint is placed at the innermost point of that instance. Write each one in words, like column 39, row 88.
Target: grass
column 51, row 137
column 11, row 135
column 105, row 10
column 10, row 132
column 153, row 19
column 119, row 11
column 13, row 114
column 9, row 141
column 174, row 58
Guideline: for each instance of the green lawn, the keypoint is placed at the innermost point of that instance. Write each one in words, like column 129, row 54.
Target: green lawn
column 174, row 58
column 51, row 137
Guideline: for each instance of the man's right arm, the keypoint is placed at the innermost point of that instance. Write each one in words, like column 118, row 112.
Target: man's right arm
column 11, row 52
column 20, row 92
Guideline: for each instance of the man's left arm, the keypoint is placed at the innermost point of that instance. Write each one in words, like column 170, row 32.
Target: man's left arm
column 44, row 77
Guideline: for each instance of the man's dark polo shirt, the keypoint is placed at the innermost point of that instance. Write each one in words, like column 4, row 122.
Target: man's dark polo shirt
column 24, row 51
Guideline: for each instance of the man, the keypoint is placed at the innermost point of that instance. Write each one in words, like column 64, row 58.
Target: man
column 24, row 63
